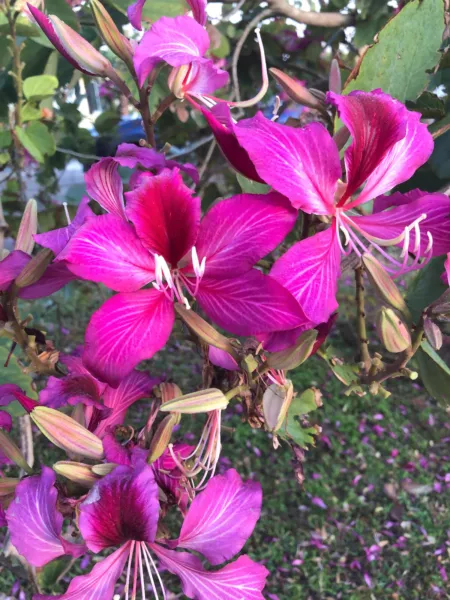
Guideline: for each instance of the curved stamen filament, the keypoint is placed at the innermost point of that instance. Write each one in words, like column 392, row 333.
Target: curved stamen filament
column 127, row 581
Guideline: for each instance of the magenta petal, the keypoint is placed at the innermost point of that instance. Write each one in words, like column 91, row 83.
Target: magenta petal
column 56, row 276
column 396, row 199
column 130, row 155
column 390, row 224
column 122, row 506
column 198, row 8
column 310, row 271
column 222, row 517
column 222, row 126
column 240, row 580
column 33, row 521
column 304, row 163
column 128, row 328
column 376, row 122
column 5, row 420
column 221, row 358
column 99, row 583
column 57, row 239
column 205, row 78
column 134, row 12
column 176, row 41
column 11, row 266
column 72, row 389
column 104, row 184
column 133, row 387
column 239, row 231
column 249, row 304
column 166, row 215
column 106, row 249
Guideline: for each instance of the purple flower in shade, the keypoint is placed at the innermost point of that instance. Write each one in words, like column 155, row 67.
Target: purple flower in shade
column 122, row 511
column 388, row 144
column 162, row 244
column 105, row 406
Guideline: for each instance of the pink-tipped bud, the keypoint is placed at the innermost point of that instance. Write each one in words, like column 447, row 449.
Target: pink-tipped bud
column 66, row 433
column 384, row 285
column 205, row 331
column 169, row 391
column 334, row 79
column 34, row 270
column 197, row 402
column 110, row 34
column 276, row 402
column 161, row 438
column 177, row 80
column 296, row 91
column 10, row 450
column 433, row 333
column 295, row 355
column 76, row 472
column 103, row 469
column 392, row 331
column 27, row 228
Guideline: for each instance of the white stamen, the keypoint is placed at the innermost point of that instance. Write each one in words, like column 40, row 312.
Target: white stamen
column 195, row 262
column 141, row 572
column 346, row 235
column 265, row 78
column 148, row 556
column 127, row 584
column 203, row 266
column 430, row 242
column 166, row 271
column 158, row 272
column 276, row 108
column 404, row 251
column 66, row 210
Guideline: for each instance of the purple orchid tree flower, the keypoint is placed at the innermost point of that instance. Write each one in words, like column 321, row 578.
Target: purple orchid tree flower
column 122, row 511
column 388, row 144
column 198, row 8
column 105, row 407
column 162, row 245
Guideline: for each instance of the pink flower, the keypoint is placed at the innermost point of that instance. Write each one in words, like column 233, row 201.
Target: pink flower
column 388, row 144
column 165, row 243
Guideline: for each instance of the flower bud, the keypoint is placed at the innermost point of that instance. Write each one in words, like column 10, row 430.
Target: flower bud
column 384, row 285
column 205, row 331
column 433, row 333
column 440, row 308
column 27, row 228
column 169, row 391
column 34, row 270
column 392, row 331
column 276, row 402
column 66, row 433
column 162, row 436
column 103, row 469
column 11, row 451
column 177, row 80
column 110, row 34
column 197, row 402
column 296, row 91
column 294, row 356
column 76, row 472
column 334, row 78
column 8, row 486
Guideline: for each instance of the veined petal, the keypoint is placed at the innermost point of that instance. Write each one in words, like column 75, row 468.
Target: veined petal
column 390, row 224
column 221, row 358
column 121, row 507
column 5, row 420
column 221, row 123
column 376, row 122
column 57, row 239
column 130, row 155
column 56, row 276
column 222, row 517
column 166, row 215
column 240, row 580
column 34, row 522
column 99, row 583
column 205, row 78
column 72, row 389
column 198, row 8
column 237, row 232
column 310, row 271
column 134, row 12
column 11, row 266
column 106, row 249
column 104, row 184
column 302, row 164
column 396, row 199
column 133, row 387
column 176, row 41
column 128, row 328
column 249, row 304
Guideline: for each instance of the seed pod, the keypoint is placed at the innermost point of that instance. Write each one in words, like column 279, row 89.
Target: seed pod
column 197, row 402
column 392, row 331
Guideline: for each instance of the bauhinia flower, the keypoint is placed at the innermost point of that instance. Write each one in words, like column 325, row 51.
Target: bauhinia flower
column 165, row 244
column 122, row 511
column 388, row 144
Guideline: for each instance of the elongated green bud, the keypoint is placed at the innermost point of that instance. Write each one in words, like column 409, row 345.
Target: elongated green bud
column 110, row 34
column 384, row 285
column 296, row 91
column 27, row 228
column 66, row 433
column 34, row 270
column 392, row 331
column 162, row 436
column 294, row 356
column 103, row 469
column 11, row 450
column 433, row 333
column 76, row 472
column 197, row 402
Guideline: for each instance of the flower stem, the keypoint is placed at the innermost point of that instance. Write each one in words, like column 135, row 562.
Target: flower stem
column 361, row 319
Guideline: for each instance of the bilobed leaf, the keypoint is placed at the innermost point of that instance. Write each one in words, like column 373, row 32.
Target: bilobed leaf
column 30, row 112
column 251, row 187
column 13, row 374
column 39, row 87
column 306, row 402
column 434, row 372
column 407, row 48
column 37, row 139
column 426, row 287
column 105, row 122
column 303, row 436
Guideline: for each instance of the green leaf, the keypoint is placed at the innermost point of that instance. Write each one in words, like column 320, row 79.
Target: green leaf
column 430, row 106
column 24, row 27
column 303, row 436
column 30, row 112
column 224, row 48
column 5, row 139
column 252, row 187
column 39, row 87
column 407, row 48
column 37, row 139
column 105, row 122
column 426, row 287
column 154, row 9
column 4, row 158
column 306, row 402
column 434, row 373
column 62, row 9
column 14, row 374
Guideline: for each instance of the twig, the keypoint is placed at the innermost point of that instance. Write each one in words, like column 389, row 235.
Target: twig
column 191, row 147
column 77, row 154
column 268, row 12
column 207, row 159
column 361, row 324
